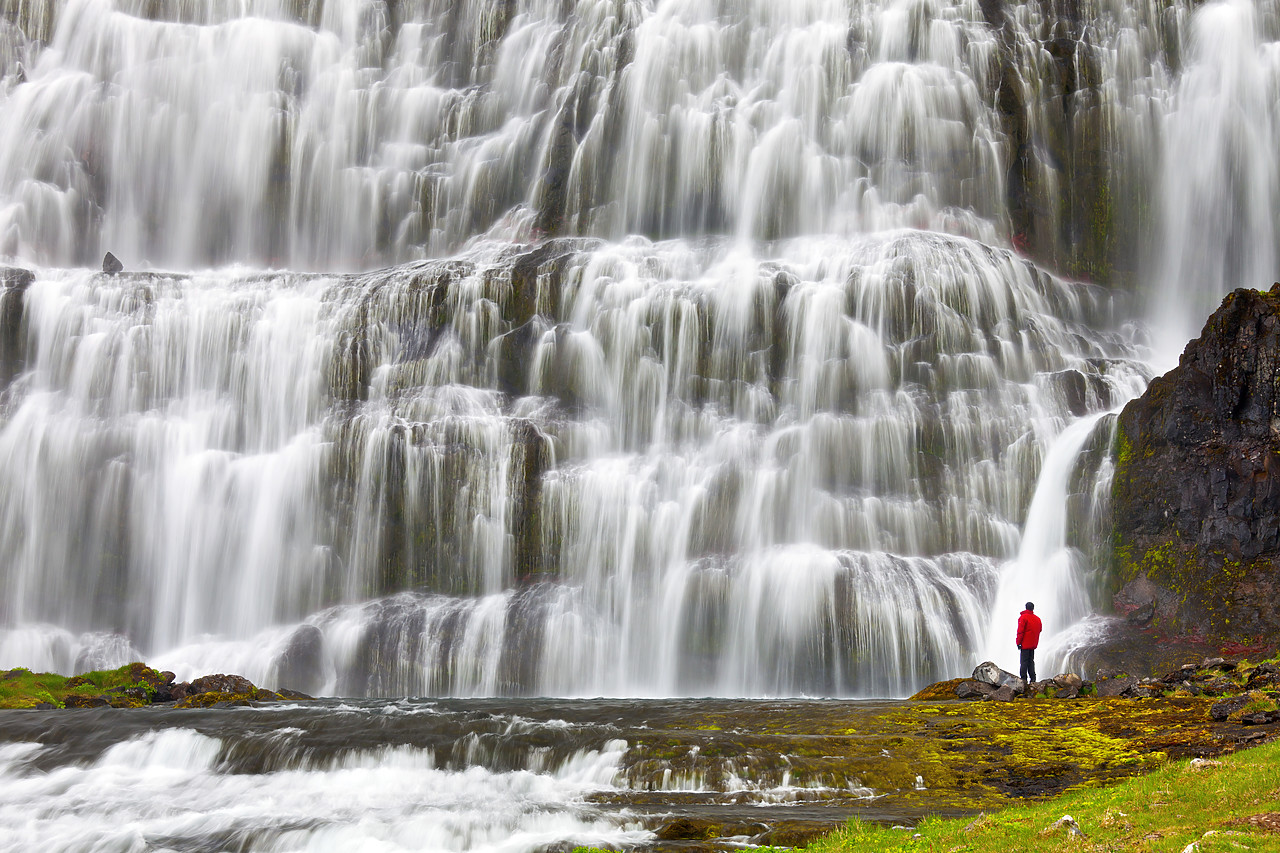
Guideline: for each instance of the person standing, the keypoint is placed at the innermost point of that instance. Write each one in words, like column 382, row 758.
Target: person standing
column 1028, row 638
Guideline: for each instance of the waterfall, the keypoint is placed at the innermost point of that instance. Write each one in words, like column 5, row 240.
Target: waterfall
column 627, row 347
column 1220, row 181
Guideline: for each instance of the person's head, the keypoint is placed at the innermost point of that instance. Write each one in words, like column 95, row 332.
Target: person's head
column 1031, row 606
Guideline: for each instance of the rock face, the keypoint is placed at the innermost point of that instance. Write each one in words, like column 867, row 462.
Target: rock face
column 1196, row 499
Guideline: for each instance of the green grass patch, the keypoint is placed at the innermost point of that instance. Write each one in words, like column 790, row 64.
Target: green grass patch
column 21, row 688
column 1181, row 803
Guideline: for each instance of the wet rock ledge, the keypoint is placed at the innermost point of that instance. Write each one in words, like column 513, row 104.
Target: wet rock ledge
column 135, row 685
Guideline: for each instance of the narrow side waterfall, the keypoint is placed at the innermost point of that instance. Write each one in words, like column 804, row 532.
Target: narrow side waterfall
column 1220, row 183
column 608, row 347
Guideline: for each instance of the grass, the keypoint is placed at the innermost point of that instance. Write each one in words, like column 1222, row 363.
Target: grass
column 1178, row 805
column 21, row 688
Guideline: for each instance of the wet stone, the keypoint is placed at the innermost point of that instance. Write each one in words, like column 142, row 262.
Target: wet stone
column 974, row 690
column 1000, row 694
column 1068, row 679
column 1115, row 686
column 991, row 674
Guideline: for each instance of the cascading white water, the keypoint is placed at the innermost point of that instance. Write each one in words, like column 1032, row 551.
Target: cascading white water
column 1221, row 181
column 765, row 417
column 811, row 495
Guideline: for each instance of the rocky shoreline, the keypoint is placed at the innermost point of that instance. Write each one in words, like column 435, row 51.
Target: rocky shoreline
column 1249, row 693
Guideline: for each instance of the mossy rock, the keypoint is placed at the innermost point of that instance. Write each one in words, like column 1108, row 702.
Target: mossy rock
column 939, row 691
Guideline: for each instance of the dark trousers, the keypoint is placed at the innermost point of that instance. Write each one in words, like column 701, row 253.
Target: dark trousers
column 1028, row 665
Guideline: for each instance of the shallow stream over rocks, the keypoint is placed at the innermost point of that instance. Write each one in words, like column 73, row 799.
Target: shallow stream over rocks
column 549, row 774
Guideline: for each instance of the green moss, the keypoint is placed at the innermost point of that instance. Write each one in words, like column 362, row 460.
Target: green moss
column 130, row 686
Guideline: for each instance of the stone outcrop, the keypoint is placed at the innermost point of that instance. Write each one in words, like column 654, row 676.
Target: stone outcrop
column 1252, row 690
column 1196, row 498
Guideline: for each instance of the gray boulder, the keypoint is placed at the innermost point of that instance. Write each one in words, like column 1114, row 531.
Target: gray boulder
column 974, row 690
column 989, row 673
column 1000, row 694
column 1115, row 686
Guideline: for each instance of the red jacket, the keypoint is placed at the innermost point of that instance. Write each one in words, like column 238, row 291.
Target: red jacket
column 1028, row 630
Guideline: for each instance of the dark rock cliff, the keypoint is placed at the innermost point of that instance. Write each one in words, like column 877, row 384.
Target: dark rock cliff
column 1197, row 487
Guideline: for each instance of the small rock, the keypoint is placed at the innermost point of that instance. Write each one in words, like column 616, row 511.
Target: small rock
column 1068, row 679
column 974, row 690
column 1067, row 824
column 85, row 702
column 1143, row 615
column 1143, row 691
column 1115, row 686
column 687, row 829
column 1223, row 709
column 989, row 673
column 1000, row 694
column 45, row 706
column 1203, row 763
column 1067, row 693
column 1259, row 718
column 1210, row 663
column 111, row 264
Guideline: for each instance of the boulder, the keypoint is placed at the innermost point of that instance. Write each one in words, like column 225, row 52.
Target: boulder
column 1000, row 694
column 991, row 674
column 1067, row 693
column 111, row 264
column 301, row 664
column 1196, row 495
column 85, row 702
column 1068, row 679
column 1110, row 687
column 220, row 683
column 794, row 833
column 974, row 690
column 1223, row 709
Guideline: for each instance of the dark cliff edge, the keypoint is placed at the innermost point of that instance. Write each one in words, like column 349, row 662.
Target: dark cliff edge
column 1196, row 496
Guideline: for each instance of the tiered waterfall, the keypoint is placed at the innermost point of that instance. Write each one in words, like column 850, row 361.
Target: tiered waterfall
column 506, row 347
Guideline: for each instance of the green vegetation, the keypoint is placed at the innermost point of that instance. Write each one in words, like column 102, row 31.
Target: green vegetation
column 130, row 686
column 1207, row 803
